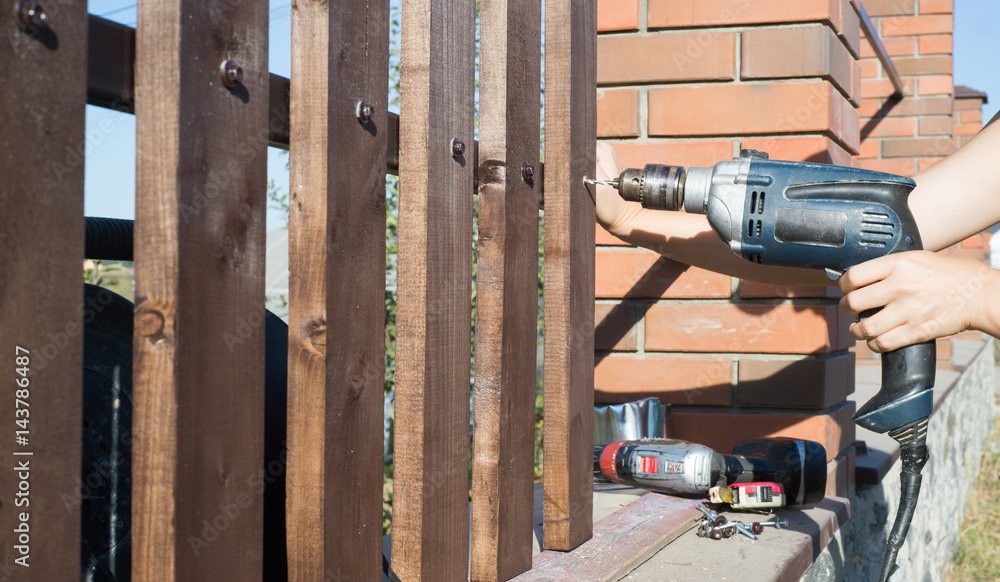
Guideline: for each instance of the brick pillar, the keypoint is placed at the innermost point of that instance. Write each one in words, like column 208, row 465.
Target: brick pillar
column 967, row 119
column 906, row 136
column 690, row 82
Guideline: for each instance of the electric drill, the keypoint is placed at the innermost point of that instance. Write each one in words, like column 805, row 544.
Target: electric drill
column 679, row 467
column 824, row 217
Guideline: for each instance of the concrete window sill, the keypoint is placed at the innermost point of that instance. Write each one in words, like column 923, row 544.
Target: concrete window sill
column 778, row 555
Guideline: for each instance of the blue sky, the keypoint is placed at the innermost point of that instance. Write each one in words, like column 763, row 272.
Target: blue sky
column 110, row 163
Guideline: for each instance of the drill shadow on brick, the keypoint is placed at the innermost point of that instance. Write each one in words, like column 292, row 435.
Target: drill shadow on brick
column 879, row 116
column 617, row 332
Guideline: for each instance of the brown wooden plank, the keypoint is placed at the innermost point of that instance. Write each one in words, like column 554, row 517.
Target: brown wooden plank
column 199, row 275
column 621, row 542
column 431, row 479
column 506, row 284
column 340, row 56
column 570, row 130
column 41, row 292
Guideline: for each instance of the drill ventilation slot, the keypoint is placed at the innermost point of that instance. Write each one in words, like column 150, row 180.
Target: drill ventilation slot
column 877, row 229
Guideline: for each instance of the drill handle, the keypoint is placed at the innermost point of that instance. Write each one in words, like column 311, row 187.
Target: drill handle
column 906, row 394
column 908, row 372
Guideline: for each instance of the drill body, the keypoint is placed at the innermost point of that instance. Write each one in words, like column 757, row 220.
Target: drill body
column 817, row 216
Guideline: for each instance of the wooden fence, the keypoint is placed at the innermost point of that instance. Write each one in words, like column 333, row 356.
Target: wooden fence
column 196, row 75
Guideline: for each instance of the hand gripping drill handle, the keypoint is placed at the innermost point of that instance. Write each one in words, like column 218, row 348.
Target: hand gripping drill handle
column 824, row 217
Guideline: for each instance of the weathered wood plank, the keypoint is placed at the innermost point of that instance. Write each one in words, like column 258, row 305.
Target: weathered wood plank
column 199, row 324
column 431, row 480
column 621, row 541
column 506, row 284
column 340, row 57
column 43, row 76
column 570, row 130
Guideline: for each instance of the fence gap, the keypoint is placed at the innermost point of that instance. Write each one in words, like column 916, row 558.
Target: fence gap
column 199, row 273
column 43, row 75
column 339, row 128
column 431, row 477
column 507, row 287
column 570, row 130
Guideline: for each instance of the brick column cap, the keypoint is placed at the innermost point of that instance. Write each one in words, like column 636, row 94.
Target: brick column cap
column 963, row 92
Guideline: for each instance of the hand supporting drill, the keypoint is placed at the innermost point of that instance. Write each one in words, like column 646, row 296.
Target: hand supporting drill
column 824, row 217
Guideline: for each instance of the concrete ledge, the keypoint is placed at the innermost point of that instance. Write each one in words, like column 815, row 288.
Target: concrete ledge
column 778, row 556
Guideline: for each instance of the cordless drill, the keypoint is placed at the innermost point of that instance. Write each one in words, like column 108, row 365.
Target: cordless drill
column 817, row 216
column 679, row 467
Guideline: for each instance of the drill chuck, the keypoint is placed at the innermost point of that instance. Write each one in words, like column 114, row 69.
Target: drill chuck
column 656, row 186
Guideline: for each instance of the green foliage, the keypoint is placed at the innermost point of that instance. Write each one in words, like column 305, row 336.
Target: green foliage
column 98, row 272
column 277, row 198
column 391, row 249
column 117, row 276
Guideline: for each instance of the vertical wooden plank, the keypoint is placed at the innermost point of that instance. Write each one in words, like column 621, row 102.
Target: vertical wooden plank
column 431, row 477
column 340, row 57
column 506, row 285
column 43, row 76
column 199, row 275
column 570, row 130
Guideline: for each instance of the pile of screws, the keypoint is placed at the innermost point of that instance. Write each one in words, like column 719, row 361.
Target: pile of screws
column 716, row 526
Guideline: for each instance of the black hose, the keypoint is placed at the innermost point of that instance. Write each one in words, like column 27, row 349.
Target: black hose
column 913, row 453
column 109, row 239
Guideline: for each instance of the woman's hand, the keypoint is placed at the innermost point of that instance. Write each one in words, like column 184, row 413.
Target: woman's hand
column 924, row 295
column 610, row 206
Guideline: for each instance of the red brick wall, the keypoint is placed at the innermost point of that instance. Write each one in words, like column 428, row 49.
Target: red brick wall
column 690, row 82
column 910, row 135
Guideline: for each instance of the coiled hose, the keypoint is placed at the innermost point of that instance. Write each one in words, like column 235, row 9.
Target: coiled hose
column 109, row 239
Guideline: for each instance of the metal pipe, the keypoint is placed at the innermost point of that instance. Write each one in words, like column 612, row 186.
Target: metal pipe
column 883, row 55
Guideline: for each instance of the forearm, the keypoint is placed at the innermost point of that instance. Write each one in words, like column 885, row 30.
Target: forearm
column 688, row 238
column 960, row 195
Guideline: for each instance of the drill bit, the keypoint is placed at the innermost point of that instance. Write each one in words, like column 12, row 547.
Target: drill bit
column 612, row 183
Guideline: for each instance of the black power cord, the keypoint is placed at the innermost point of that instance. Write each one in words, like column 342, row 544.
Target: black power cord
column 912, row 439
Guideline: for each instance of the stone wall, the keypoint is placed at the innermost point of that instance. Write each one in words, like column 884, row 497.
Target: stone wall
column 956, row 436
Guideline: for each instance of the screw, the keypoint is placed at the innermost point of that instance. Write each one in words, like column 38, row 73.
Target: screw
column 709, row 514
column 741, row 527
column 527, row 171
column 457, row 148
column 232, row 74
column 364, row 112
column 776, row 524
column 31, row 15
